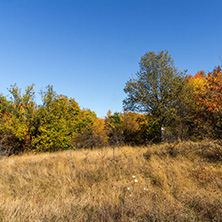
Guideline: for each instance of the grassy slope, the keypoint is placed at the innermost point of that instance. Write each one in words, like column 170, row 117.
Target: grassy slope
column 182, row 183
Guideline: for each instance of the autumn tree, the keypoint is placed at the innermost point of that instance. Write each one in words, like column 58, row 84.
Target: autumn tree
column 90, row 131
column 57, row 119
column 63, row 125
column 6, row 147
column 209, row 102
column 57, row 124
column 138, row 129
column 130, row 128
column 18, row 118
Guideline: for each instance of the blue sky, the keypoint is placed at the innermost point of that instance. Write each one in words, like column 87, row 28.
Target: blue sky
column 88, row 49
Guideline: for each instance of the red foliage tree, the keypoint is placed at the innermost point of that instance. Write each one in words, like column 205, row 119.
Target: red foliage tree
column 208, row 101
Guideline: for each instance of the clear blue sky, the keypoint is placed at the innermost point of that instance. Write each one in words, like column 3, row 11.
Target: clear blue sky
column 88, row 49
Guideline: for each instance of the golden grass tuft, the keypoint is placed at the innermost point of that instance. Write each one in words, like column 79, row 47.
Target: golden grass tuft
column 176, row 182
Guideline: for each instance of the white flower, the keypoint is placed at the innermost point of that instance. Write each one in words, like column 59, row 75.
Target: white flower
column 144, row 188
column 133, row 176
column 128, row 188
column 136, row 180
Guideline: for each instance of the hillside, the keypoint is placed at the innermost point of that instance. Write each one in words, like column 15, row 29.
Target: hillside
column 168, row 182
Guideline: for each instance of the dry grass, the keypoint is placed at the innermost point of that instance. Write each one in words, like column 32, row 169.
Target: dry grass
column 175, row 183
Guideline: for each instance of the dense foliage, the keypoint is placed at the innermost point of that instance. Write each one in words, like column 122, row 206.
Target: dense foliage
column 156, row 88
column 162, row 103
column 208, row 102
column 183, row 106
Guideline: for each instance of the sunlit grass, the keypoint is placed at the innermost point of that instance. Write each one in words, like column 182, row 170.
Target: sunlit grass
column 160, row 182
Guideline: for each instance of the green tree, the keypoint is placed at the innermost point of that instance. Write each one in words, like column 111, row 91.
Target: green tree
column 57, row 120
column 157, row 88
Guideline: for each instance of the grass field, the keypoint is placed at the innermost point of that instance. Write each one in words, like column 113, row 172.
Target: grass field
column 168, row 182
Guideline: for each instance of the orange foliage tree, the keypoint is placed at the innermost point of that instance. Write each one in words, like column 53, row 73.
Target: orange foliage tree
column 131, row 128
column 208, row 102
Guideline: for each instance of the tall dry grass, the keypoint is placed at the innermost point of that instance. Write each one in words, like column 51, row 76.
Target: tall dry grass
column 172, row 182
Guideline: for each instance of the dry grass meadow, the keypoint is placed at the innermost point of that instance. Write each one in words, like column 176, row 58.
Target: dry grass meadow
column 168, row 182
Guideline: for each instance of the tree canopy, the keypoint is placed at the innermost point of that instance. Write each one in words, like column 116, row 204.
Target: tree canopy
column 157, row 87
column 187, row 107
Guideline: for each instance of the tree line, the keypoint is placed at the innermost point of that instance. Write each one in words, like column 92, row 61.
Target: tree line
column 162, row 103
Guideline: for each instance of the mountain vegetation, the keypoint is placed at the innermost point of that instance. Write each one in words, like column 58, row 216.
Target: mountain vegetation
column 161, row 104
column 159, row 160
